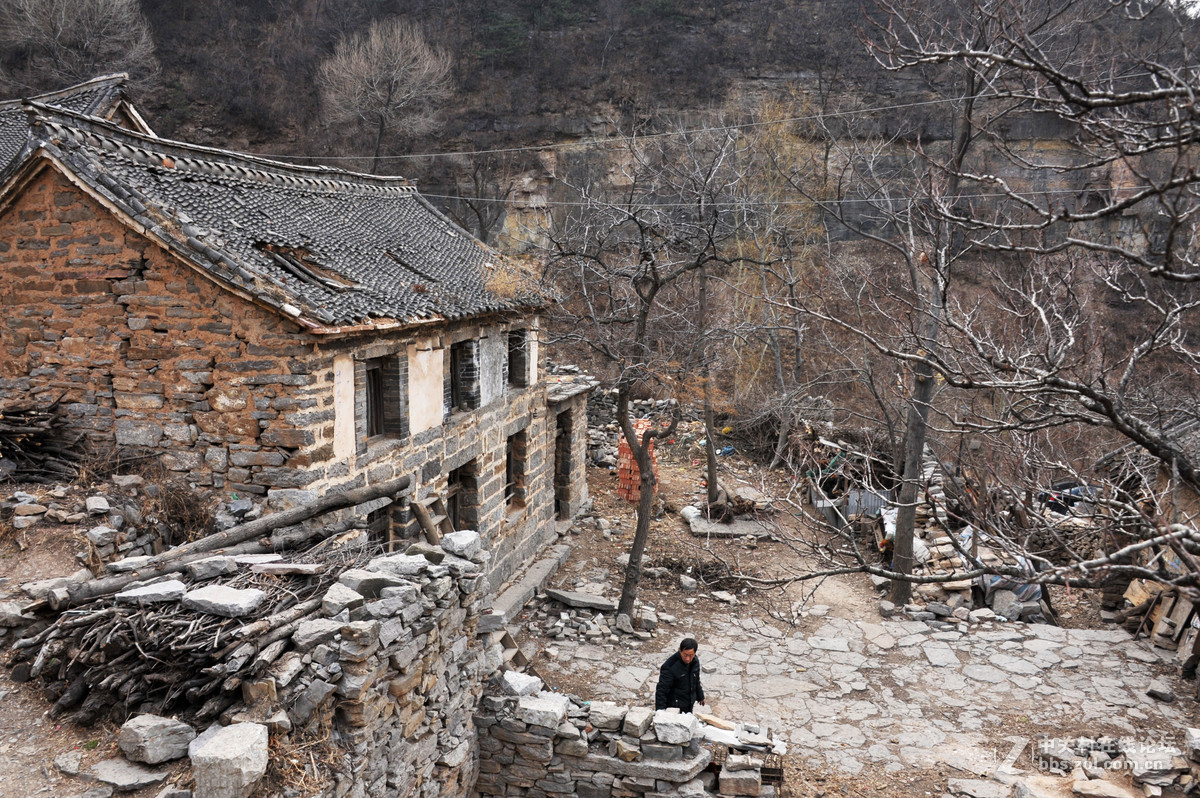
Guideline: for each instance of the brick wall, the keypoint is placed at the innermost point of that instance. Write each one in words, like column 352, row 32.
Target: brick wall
column 140, row 350
column 145, row 352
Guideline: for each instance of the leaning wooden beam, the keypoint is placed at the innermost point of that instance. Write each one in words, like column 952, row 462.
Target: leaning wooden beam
column 174, row 560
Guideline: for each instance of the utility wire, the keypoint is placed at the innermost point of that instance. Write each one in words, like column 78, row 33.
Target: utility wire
column 599, row 142
column 787, row 203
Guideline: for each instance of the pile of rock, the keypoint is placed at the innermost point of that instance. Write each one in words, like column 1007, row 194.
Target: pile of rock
column 543, row 743
column 1095, row 765
column 114, row 522
column 227, row 761
column 576, row 616
column 387, row 658
column 604, row 432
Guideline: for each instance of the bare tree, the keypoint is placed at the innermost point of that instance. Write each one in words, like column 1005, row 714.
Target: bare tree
column 387, row 80
column 1053, row 294
column 626, row 258
column 52, row 43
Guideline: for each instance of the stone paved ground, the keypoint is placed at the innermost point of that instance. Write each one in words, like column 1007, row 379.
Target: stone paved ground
column 851, row 694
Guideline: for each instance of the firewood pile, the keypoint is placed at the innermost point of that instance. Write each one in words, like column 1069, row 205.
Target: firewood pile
column 132, row 642
column 37, row 445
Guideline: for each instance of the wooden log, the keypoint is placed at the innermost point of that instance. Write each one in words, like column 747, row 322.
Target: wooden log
column 173, row 560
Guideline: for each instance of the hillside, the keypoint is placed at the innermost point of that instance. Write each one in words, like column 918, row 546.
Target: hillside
column 524, row 72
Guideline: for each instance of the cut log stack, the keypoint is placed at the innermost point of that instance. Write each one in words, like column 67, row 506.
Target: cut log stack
column 37, row 445
column 165, row 636
column 628, row 473
column 1162, row 614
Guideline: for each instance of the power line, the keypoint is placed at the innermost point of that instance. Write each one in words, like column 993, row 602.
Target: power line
column 786, row 204
column 596, row 142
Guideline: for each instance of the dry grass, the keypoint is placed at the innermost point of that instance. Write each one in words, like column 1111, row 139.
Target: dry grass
column 303, row 768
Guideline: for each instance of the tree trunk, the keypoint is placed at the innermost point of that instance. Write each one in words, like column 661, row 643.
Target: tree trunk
column 633, row 572
column 710, row 448
column 173, row 560
column 914, row 449
column 646, row 482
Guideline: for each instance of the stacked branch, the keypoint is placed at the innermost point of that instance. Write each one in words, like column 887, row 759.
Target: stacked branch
column 37, row 445
column 99, row 657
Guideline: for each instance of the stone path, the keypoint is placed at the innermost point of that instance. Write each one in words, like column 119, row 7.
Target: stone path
column 897, row 694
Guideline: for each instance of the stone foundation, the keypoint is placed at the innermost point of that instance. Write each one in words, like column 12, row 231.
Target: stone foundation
column 548, row 745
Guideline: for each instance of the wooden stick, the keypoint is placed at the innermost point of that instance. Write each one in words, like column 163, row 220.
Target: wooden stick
column 172, row 561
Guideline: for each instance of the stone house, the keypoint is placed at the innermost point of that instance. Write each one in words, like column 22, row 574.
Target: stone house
column 277, row 330
column 104, row 97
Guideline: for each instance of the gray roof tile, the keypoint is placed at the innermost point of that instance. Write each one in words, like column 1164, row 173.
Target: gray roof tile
column 97, row 97
column 338, row 248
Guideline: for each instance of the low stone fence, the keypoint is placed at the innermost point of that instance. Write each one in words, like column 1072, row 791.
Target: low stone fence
column 550, row 745
column 411, row 673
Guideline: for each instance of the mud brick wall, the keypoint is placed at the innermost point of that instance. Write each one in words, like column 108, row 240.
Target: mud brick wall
column 140, row 350
column 144, row 352
column 547, row 745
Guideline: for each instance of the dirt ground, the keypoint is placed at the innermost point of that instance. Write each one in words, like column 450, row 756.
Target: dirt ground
column 595, row 558
column 30, row 740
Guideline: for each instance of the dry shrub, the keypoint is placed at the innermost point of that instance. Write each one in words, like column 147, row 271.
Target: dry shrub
column 300, row 768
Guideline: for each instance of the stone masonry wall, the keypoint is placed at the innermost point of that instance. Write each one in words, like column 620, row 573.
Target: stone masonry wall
column 395, row 672
column 139, row 350
column 144, row 352
column 545, row 744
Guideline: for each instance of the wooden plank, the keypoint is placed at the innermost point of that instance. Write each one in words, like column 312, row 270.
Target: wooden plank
column 1184, row 649
column 431, row 531
column 713, row 720
column 1139, row 590
column 1159, row 623
column 1181, row 613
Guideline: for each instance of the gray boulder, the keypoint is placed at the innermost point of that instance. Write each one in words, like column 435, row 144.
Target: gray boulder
column 153, row 739
column 228, row 761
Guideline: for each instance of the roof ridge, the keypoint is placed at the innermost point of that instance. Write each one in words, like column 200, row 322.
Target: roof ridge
column 195, row 157
column 118, row 79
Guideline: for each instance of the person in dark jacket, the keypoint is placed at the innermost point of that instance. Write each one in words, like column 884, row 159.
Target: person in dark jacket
column 679, row 679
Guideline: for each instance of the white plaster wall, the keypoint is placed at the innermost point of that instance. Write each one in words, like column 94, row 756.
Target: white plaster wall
column 533, row 352
column 493, row 357
column 343, row 406
column 424, row 385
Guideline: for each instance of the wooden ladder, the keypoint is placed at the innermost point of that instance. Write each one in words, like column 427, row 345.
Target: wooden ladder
column 431, row 514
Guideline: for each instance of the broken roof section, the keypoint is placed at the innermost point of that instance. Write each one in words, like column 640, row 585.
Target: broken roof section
column 333, row 250
column 105, row 97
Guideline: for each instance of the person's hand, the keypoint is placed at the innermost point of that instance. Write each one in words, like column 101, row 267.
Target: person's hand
column 702, row 703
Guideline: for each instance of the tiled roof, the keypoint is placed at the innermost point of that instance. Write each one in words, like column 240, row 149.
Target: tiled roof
column 326, row 247
column 100, row 96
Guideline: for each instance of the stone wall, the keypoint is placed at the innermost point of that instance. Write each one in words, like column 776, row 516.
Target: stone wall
column 144, row 352
column 545, row 744
column 139, row 350
column 393, row 673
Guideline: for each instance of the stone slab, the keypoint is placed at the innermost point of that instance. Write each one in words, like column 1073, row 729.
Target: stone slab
column 573, row 598
column 228, row 602
column 126, row 776
column 158, row 593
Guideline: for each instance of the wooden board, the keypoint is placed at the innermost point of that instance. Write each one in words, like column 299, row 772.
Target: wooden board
column 713, row 720
column 1139, row 590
